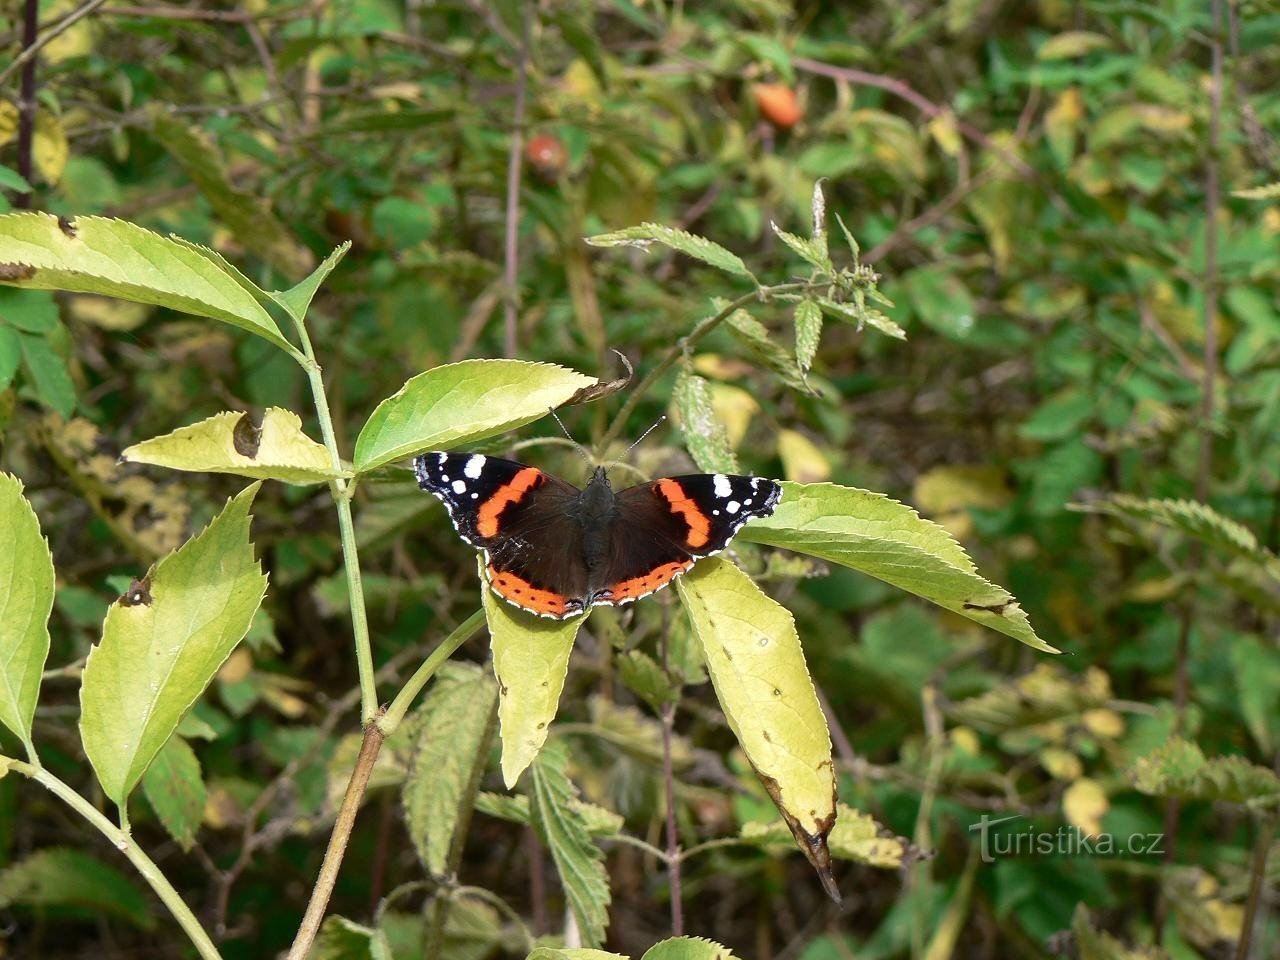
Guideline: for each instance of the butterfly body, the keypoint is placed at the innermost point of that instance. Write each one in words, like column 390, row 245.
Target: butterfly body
column 556, row 550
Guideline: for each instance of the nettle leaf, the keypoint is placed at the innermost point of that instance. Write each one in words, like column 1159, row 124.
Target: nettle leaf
column 808, row 333
column 857, row 837
column 700, row 248
column 888, row 540
column 461, row 403
column 297, row 299
column 26, row 599
column 175, row 789
column 688, row 948
column 530, row 661
column 578, row 860
column 1180, row 769
column 864, row 315
column 453, row 728
column 117, row 259
column 514, row 808
column 162, row 642
column 57, row 877
column 754, row 336
column 231, row 442
column 814, row 252
column 704, row 435
column 757, row 667
column 343, row 939
column 573, row 953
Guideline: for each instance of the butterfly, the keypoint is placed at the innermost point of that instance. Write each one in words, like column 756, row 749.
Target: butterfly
column 556, row 550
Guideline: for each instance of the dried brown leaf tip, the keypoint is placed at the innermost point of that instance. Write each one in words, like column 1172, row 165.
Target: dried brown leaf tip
column 812, row 845
column 16, row 271
column 138, row 594
column 246, row 436
column 603, row 388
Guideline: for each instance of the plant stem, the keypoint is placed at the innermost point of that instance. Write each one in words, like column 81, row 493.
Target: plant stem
column 126, row 845
column 338, row 840
column 678, row 349
column 392, row 716
column 342, row 491
column 1257, row 873
column 27, row 99
column 674, row 872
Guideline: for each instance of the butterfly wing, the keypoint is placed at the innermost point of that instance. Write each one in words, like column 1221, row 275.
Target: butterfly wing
column 518, row 516
column 664, row 526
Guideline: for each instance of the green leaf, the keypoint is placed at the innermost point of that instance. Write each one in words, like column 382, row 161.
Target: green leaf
column 813, row 252
column 857, row 837
column 770, row 50
column 808, row 333
column 847, row 313
column 753, row 335
column 891, row 542
column 514, row 808
column 758, row 670
column 1060, row 416
column 687, row 948
column 1072, row 43
column 573, row 953
column 175, row 789
column 231, row 442
column 162, row 642
column 1180, row 769
column 26, row 571
column 10, row 179
column 343, row 939
column 578, row 860
column 57, row 877
column 297, row 299
column 31, row 310
column 48, row 373
column 530, row 660
column 118, row 259
column 248, row 217
column 942, row 301
column 700, row 248
column 642, row 675
column 704, row 435
column 10, row 355
column 453, row 728
column 1256, row 666
column 462, row 403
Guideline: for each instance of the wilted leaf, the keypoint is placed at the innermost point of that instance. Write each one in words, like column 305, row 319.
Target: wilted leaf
column 578, row 860
column 530, row 660
column 462, row 403
column 452, row 728
column 1084, row 803
column 1180, row 769
column 26, row 599
column 69, row 878
column 700, row 248
column 704, row 435
column 758, row 670
column 118, row 259
column 162, row 642
column 856, row 836
column 230, row 442
column 887, row 540
column 175, row 789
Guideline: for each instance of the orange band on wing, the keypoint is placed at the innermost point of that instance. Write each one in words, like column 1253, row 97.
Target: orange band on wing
column 699, row 524
column 524, row 594
column 653, row 580
column 512, row 492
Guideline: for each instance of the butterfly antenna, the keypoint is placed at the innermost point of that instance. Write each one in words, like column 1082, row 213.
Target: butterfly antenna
column 655, row 425
column 576, row 445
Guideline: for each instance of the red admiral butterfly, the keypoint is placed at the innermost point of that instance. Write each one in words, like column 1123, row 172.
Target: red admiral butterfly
column 555, row 550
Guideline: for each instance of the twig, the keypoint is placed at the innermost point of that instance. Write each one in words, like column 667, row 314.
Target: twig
column 31, row 46
column 338, row 840
column 163, row 12
column 1257, row 873
column 515, row 160
column 26, row 99
column 537, row 880
column 674, row 871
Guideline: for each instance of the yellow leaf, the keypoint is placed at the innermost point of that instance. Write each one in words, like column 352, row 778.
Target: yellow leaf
column 1102, row 722
column 8, row 122
column 75, row 41
column 1083, row 804
column 530, row 661
column 944, row 489
column 945, row 133
column 1062, row 123
column 1073, row 43
column 49, row 149
column 237, row 668
column 802, row 459
column 735, row 408
column 1060, row 764
column 108, row 312
column 965, row 739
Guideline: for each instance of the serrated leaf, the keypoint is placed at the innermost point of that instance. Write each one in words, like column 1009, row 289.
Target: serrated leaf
column 1180, row 769
column 48, row 374
column 1093, row 944
column 118, row 259
column 759, row 673
column 163, row 642
column 700, row 248
column 231, row 442
column 462, row 403
column 175, row 789
column 813, row 252
column 248, row 217
column 573, row 953
column 561, row 826
column 857, row 836
column 891, row 542
column 753, row 335
column 642, row 675
column 343, row 939
column 26, row 599
column 530, row 661
column 453, row 728
column 808, row 318
column 704, row 435
column 297, row 299
column 68, row 878
column 688, row 948
column 871, row 318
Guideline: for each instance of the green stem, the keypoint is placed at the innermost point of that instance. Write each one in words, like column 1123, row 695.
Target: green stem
column 342, row 491
column 126, row 845
column 388, row 722
column 678, row 349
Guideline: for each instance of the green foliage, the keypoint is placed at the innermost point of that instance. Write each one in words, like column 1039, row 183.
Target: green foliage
column 1180, row 769
column 63, row 879
column 25, row 564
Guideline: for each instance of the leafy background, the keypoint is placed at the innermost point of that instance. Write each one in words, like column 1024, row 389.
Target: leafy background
column 1047, row 191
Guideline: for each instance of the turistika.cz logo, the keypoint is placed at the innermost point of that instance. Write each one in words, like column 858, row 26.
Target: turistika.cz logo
column 1027, row 840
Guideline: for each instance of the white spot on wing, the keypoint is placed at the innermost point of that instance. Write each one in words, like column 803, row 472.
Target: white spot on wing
column 459, row 486
column 733, row 506
column 721, row 486
column 473, row 467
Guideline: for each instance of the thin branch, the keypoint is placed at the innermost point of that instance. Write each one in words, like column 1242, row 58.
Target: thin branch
column 338, row 841
column 32, row 46
column 515, row 161
column 26, row 99
column 1257, row 873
